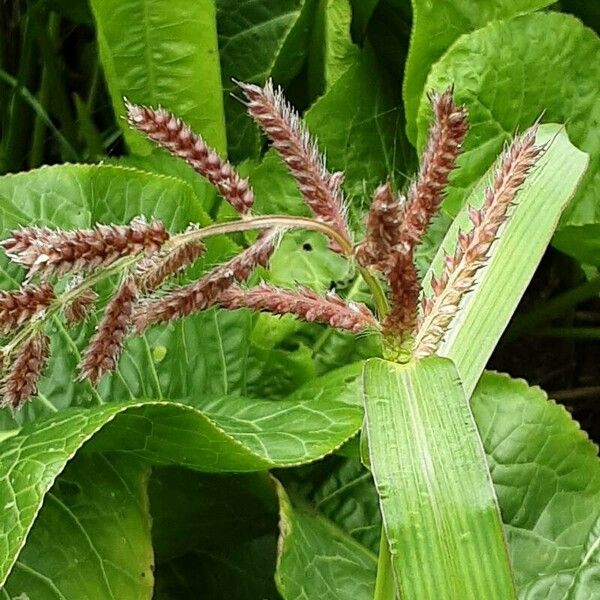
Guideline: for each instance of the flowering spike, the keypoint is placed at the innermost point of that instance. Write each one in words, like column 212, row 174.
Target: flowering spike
column 460, row 269
column 447, row 133
column 102, row 353
column 178, row 138
column 382, row 241
column 19, row 307
column 59, row 252
column 22, row 378
column 205, row 292
column 304, row 303
column 281, row 123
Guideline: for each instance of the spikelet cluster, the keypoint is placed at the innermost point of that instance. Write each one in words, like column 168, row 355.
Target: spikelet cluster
column 473, row 248
column 303, row 303
column 178, row 138
column 54, row 251
column 21, row 381
column 103, row 351
column 77, row 310
column 21, row 306
column 321, row 189
column 205, row 292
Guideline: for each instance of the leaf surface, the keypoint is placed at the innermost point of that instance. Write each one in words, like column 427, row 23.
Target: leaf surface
column 439, row 508
column 163, row 53
column 233, row 434
column 340, row 568
column 436, row 25
column 92, row 536
column 547, row 477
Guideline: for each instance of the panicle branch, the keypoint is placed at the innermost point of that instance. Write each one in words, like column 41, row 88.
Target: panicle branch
column 473, row 248
column 58, row 252
column 321, row 189
column 178, row 138
column 446, row 135
column 21, row 306
column 102, row 353
column 305, row 304
column 205, row 292
column 153, row 272
column 21, row 381
column 444, row 143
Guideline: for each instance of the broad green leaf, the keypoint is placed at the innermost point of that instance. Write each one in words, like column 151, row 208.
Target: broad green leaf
column 342, row 490
column 242, row 571
column 230, row 435
column 485, row 311
column 436, row 25
column 439, row 508
column 332, row 51
column 92, row 536
column 507, row 83
column 163, row 53
column 359, row 123
column 255, row 38
column 547, row 477
column 340, row 568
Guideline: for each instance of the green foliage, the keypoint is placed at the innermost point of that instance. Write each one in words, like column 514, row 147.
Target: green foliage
column 474, row 335
column 544, row 468
column 436, row 25
column 156, row 53
column 221, row 459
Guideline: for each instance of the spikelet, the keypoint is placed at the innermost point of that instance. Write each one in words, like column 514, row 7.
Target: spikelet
column 19, row 307
column 304, row 303
column 177, row 137
column 205, row 292
column 382, row 241
column 59, row 252
column 153, row 272
column 77, row 310
column 404, row 291
column 21, row 381
column 474, row 247
column 321, row 189
column 102, row 353
column 446, row 135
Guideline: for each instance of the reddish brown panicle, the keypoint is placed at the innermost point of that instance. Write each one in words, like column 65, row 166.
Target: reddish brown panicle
column 205, row 292
column 102, row 353
column 21, row 381
column 304, row 303
column 19, row 307
column 59, row 252
column 321, row 189
column 178, row 138
column 444, row 144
